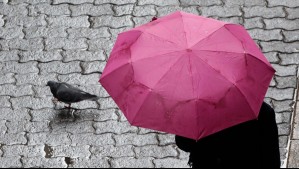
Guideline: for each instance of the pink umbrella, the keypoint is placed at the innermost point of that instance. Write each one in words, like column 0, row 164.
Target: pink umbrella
column 187, row 75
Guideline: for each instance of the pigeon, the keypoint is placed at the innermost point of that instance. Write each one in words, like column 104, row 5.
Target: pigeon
column 69, row 94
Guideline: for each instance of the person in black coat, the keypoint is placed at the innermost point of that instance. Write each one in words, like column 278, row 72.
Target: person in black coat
column 253, row 144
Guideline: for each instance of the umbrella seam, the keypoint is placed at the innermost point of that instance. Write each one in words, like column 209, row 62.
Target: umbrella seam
column 184, row 29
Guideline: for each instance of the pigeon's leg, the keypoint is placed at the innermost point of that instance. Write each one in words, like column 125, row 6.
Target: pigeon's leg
column 69, row 106
column 55, row 100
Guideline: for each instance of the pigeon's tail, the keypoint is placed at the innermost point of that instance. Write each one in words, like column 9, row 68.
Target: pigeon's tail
column 91, row 97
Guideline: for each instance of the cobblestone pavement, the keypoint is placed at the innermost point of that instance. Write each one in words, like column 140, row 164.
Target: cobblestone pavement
column 70, row 41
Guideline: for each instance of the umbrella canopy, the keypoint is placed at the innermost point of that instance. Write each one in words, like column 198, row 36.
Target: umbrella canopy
column 187, row 75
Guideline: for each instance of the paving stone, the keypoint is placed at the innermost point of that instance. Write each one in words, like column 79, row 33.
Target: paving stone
column 15, row 127
column 280, row 46
column 171, row 163
column 136, row 140
column 79, row 79
column 291, row 36
column 280, row 94
column 25, row 21
column 75, row 2
column 295, row 134
column 283, row 117
column 14, row 115
column 101, row 44
column 111, row 21
column 11, row 162
column 251, row 23
column 294, row 149
column 43, row 115
column 167, row 139
column 245, row 3
column 93, row 67
column 88, row 33
column 220, row 11
column 44, row 32
column 284, row 129
column 91, row 10
column 283, row 3
column 71, row 55
column 96, row 89
column 290, row 70
column 20, row 68
column 13, row 139
column 50, row 139
column 281, row 23
column 1, row 20
column 73, row 128
column 158, row 3
column 40, row 162
column 11, row 33
column 37, row 127
column 283, row 141
column 16, row 91
column 41, row 56
column 26, row 45
column 138, row 22
column 13, row 10
column 234, row 20
column 283, row 106
column 144, row 10
column 71, row 22
column 31, row 102
column 13, row 2
column 92, row 139
column 9, row 55
column 292, row 13
column 35, row 79
column 272, row 57
column 286, row 82
column 123, row 9
column 114, row 127
column 156, row 152
column 97, row 115
column 60, row 67
column 268, row 35
column 66, row 44
column 50, row 10
column 4, row 102
column 289, row 59
column 71, row 151
column 112, row 151
column 90, row 163
column 7, row 78
column 23, row 150
column 259, row 11
column 107, row 103
column 3, row 129
column 200, row 2
column 116, row 2
column 131, row 162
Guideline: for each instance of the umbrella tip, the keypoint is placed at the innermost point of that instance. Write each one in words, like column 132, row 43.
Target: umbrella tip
column 154, row 18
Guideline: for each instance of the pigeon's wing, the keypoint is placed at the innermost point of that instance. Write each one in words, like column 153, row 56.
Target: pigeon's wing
column 66, row 96
column 69, row 94
column 65, row 85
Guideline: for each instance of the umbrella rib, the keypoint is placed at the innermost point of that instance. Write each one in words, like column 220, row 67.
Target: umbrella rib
column 156, row 56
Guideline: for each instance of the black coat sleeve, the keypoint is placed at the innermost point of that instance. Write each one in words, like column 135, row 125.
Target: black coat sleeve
column 185, row 144
column 270, row 138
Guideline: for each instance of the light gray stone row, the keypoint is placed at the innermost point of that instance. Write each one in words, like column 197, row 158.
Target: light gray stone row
column 4, row 102
column 71, row 55
column 13, row 139
column 92, row 139
column 14, row 115
column 13, row 10
column 114, row 127
column 292, row 13
column 280, row 94
column 41, row 56
column 289, row 59
column 15, row 127
column 26, row 44
column 200, row 2
column 1, row 21
column 171, row 163
column 87, row 105
column 123, row 9
column 159, row 3
column 251, row 23
column 31, row 102
column 71, row 151
column 245, row 3
column 89, row 33
column 234, row 20
column 60, row 67
column 166, row 139
column 96, row 115
column 112, row 151
column 116, row 2
column 283, row 117
column 49, row 10
column 7, row 78
column 20, row 68
column 37, row 127
column 220, row 11
column 91, row 10
column 45, row 32
column 293, row 156
column 92, row 162
column 41, row 162
column 112, row 21
column 291, row 36
column 15, row 91
column 66, row 44
column 272, row 57
column 281, row 23
column 283, row 141
column 156, row 152
column 107, row 103
column 75, row 2
column 131, row 162
column 166, row 10
column 3, row 129
column 11, row 55
column 43, row 115
column 286, row 82
column 50, row 139
column 145, row 10
column 23, row 150
column 291, row 4
column 70, row 22
column 73, row 128
column 12, row 162
column 284, row 129
column 93, row 67
column 35, row 79
column 266, row 35
column 289, row 70
column 101, row 44
column 283, row 106
column 138, row 21
column 13, row 2
column 26, row 21
column 136, row 140
column 280, row 46
column 264, row 12
column 79, row 79
column 11, row 33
